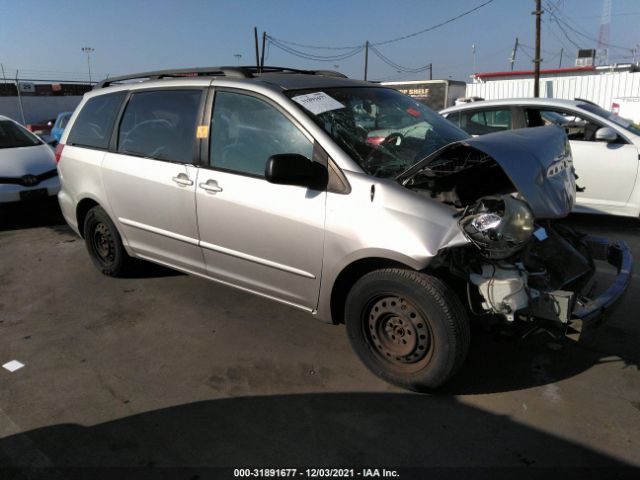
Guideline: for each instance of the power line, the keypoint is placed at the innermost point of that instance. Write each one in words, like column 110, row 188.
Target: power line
column 394, row 65
column 317, row 47
column 562, row 20
column 282, row 42
column 627, row 14
column 312, row 56
column 404, row 37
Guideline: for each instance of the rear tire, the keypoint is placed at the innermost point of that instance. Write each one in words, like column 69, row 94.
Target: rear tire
column 104, row 243
column 407, row 327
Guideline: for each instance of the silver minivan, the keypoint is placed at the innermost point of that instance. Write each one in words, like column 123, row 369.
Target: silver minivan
column 344, row 199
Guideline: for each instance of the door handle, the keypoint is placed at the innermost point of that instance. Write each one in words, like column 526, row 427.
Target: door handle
column 211, row 186
column 182, row 180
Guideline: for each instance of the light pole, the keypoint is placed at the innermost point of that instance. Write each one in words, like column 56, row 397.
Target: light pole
column 89, row 51
column 473, row 52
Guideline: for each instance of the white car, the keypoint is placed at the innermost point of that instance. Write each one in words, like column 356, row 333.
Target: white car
column 27, row 165
column 605, row 146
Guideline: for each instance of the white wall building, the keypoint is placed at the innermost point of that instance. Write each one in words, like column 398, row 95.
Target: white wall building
column 597, row 84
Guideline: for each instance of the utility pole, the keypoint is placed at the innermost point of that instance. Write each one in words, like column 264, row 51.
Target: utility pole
column 537, row 60
column 255, row 38
column 513, row 54
column 366, row 59
column 264, row 40
column 561, row 52
column 430, row 71
column 89, row 51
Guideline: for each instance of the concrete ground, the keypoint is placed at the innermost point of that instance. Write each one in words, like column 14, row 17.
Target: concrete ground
column 168, row 370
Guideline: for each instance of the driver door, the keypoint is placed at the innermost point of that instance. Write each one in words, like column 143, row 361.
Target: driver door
column 256, row 235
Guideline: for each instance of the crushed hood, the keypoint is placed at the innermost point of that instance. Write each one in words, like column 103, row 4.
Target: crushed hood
column 536, row 160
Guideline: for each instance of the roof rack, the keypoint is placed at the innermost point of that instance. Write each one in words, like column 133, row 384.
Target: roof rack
column 233, row 72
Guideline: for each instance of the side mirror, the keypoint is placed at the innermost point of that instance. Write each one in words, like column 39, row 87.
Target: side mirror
column 606, row 134
column 295, row 169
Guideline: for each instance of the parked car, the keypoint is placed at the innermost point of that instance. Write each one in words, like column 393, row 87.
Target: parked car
column 605, row 146
column 27, row 166
column 263, row 181
column 59, row 125
column 42, row 127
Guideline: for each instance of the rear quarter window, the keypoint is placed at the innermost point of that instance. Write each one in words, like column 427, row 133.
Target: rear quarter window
column 95, row 121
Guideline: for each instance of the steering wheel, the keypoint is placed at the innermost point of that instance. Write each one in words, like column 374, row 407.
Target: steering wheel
column 130, row 136
column 96, row 129
column 394, row 139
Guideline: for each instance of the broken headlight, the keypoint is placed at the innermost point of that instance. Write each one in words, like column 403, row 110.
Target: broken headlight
column 499, row 225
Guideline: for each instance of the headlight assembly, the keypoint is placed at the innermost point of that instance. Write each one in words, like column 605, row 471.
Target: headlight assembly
column 499, row 225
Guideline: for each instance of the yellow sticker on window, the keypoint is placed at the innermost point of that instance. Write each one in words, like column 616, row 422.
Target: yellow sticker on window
column 202, row 131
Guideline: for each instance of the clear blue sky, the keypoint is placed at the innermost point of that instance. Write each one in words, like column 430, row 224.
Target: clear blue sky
column 44, row 38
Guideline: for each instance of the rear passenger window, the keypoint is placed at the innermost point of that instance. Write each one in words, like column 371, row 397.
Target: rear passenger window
column 161, row 125
column 95, row 121
column 246, row 131
column 485, row 121
column 454, row 118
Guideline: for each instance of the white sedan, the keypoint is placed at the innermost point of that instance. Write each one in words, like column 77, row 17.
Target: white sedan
column 605, row 147
column 28, row 168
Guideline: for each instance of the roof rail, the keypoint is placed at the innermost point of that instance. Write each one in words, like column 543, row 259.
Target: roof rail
column 234, row 72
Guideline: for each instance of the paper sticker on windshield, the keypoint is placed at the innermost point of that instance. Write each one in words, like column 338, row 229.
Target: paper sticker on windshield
column 318, row 102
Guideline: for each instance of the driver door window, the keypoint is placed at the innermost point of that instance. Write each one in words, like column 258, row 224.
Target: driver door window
column 576, row 127
column 246, row 131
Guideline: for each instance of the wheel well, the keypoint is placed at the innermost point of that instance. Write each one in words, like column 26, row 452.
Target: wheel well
column 81, row 211
column 349, row 276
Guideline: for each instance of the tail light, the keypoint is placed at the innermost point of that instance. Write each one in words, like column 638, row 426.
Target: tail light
column 58, row 152
column 615, row 108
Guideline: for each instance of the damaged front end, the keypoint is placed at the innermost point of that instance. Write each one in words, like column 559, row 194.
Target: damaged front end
column 521, row 264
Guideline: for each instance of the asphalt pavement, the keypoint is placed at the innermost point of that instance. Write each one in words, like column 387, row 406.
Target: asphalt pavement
column 165, row 370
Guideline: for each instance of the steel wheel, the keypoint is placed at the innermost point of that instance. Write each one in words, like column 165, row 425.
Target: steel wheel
column 399, row 332
column 103, row 243
column 408, row 327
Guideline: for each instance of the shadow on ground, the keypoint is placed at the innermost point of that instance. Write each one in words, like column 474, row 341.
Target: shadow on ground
column 331, row 430
column 19, row 215
column 496, row 364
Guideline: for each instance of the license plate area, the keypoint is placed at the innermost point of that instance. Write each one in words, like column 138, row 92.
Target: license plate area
column 35, row 194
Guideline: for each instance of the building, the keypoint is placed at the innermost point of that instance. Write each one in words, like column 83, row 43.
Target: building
column 599, row 84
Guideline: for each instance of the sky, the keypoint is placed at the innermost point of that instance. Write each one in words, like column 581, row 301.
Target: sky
column 44, row 39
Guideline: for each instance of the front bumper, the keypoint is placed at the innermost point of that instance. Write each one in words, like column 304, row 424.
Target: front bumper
column 588, row 313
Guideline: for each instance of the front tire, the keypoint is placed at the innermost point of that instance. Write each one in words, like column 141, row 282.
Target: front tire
column 104, row 243
column 407, row 327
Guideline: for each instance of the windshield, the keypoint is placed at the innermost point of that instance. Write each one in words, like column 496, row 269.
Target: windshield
column 612, row 117
column 13, row 136
column 384, row 131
